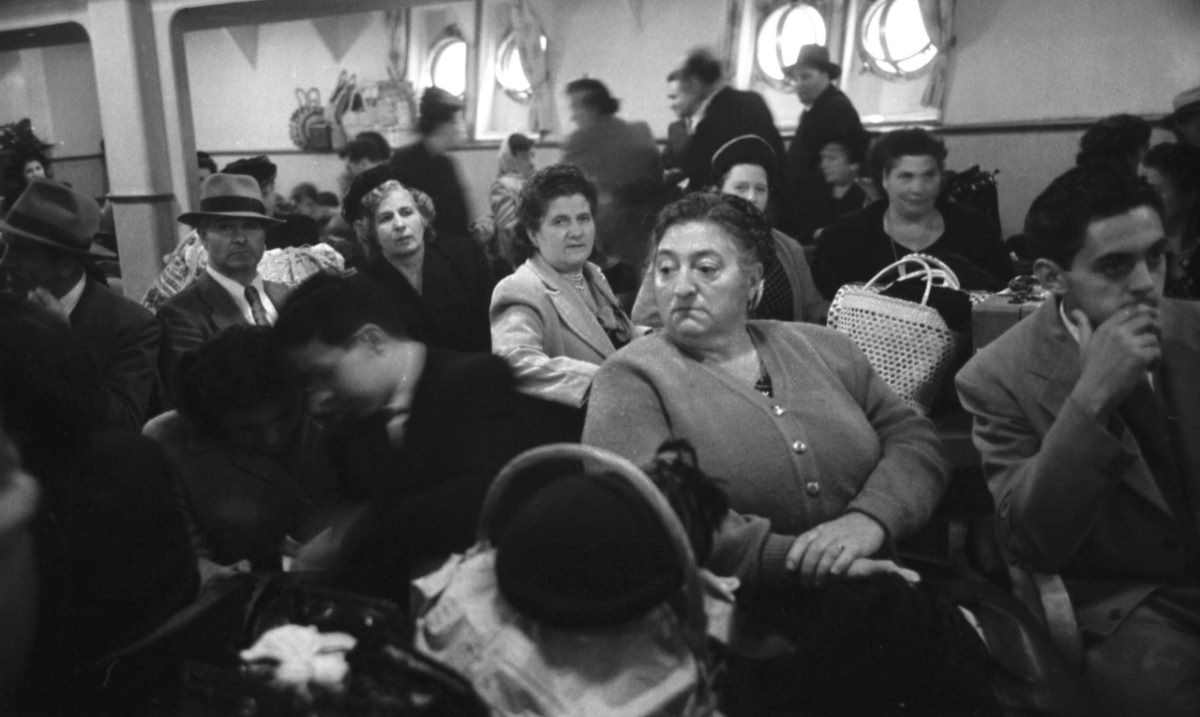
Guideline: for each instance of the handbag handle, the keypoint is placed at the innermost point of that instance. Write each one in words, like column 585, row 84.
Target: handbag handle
column 933, row 270
column 516, row 471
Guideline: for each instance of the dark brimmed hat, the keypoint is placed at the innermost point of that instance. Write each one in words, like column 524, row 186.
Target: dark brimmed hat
column 438, row 105
column 56, row 216
column 746, row 149
column 362, row 186
column 586, row 552
column 815, row 56
column 1185, row 104
column 230, row 195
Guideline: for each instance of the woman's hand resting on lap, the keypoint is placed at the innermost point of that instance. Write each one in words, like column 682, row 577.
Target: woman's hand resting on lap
column 831, row 548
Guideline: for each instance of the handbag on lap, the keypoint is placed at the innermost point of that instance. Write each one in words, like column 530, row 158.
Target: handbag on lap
column 909, row 343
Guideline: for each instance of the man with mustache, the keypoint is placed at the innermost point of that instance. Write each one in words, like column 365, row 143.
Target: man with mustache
column 232, row 223
column 1086, row 416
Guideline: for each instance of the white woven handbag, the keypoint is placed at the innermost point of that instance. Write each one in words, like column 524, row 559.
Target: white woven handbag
column 908, row 344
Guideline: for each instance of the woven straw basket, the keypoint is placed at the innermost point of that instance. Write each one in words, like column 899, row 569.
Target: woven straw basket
column 908, row 344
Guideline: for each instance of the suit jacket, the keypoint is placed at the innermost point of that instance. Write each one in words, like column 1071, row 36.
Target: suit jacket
column 543, row 328
column 451, row 310
column 244, row 504
column 124, row 340
column 622, row 160
column 675, row 151
column 730, row 113
column 1072, row 496
column 831, row 116
column 465, row 424
column 199, row 312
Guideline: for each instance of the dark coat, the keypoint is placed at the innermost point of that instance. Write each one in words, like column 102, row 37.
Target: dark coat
column 124, row 341
column 456, row 289
column 437, row 176
column 465, row 423
column 831, row 116
column 730, row 113
column 622, row 159
column 855, row 248
column 199, row 312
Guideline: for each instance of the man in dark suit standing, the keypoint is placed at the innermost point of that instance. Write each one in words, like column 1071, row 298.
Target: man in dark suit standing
column 232, row 223
column 46, row 248
column 1086, row 416
column 828, row 115
column 674, row 153
column 717, row 113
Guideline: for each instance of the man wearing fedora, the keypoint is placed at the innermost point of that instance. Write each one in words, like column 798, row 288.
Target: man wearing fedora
column 48, row 250
column 828, row 113
column 1184, row 119
column 232, row 224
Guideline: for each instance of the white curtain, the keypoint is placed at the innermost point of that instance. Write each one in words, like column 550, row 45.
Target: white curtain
column 939, row 23
column 533, row 58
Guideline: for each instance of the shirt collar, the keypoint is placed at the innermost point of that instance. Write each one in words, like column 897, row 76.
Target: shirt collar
column 238, row 293
column 70, row 299
column 1072, row 329
column 698, row 115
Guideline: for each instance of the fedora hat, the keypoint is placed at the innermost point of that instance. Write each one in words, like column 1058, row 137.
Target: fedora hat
column 54, row 215
column 815, row 56
column 1185, row 103
column 230, row 195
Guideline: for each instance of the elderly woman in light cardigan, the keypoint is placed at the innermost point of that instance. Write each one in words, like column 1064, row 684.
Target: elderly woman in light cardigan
column 791, row 415
column 555, row 319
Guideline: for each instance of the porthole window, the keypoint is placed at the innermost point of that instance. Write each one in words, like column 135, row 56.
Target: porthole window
column 510, row 72
column 894, row 40
column 780, row 37
column 448, row 65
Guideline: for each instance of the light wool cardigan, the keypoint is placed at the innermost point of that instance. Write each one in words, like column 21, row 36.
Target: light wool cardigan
column 835, row 438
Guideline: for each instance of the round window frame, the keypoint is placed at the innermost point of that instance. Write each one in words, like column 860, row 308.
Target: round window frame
column 786, row 84
column 509, row 44
column 445, row 40
column 873, row 64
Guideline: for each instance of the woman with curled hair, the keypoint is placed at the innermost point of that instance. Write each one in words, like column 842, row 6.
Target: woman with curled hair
column 792, row 415
column 908, row 165
column 440, row 287
column 555, row 319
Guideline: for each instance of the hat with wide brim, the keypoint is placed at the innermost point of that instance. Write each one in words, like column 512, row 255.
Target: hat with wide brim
column 54, row 215
column 1185, row 104
column 230, row 195
column 745, row 149
column 815, row 56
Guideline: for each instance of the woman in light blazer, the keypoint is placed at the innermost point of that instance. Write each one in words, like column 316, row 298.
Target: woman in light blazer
column 555, row 319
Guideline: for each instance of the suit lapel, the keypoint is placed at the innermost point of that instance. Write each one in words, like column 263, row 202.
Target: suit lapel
column 222, row 309
column 1055, row 364
column 571, row 310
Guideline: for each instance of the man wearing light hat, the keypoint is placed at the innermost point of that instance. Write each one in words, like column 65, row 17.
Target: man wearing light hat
column 829, row 114
column 46, row 251
column 232, row 224
column 1184, row 120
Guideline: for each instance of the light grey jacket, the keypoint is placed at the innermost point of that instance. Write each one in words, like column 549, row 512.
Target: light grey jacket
column 547, row 333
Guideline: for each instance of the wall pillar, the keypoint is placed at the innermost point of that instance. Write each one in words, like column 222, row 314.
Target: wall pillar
column 135, row 138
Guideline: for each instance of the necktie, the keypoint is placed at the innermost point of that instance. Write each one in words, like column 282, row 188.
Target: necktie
column 256, row 307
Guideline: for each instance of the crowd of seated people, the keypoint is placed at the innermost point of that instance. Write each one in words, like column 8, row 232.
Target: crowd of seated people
column 350, row 426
